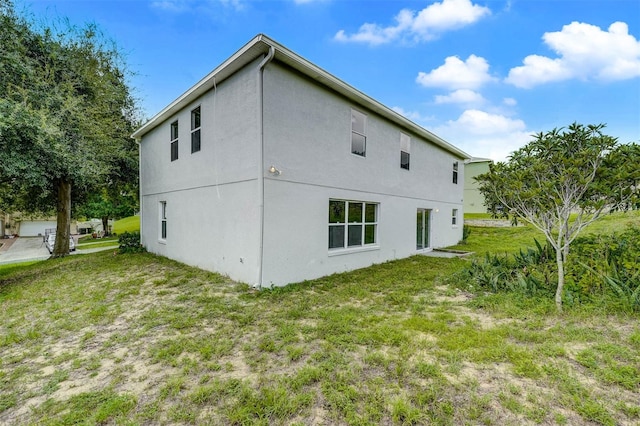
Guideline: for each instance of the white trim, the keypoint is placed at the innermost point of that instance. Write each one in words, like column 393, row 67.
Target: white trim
column 351, row 250
column 363, row 224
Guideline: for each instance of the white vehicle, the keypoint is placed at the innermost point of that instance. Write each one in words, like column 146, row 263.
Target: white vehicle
column 50, row 242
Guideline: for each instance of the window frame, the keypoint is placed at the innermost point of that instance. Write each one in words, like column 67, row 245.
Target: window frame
column 405, row 150
column 173, row 137
column 362, row 220
column 196, row 130
column 423, row 239
column 455, row 172
column 358, row 133
column 405, row 163
column 162, row 234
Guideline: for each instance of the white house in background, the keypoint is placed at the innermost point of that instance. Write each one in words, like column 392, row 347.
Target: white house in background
column 473, row 199
column 23, row 225
column 272, row 171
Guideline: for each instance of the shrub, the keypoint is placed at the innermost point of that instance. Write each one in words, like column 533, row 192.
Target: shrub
column 600, row 267
column 466, row 231
column 129, row 242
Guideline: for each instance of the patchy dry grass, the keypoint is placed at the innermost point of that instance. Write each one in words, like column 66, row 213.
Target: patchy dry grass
column 138, row 339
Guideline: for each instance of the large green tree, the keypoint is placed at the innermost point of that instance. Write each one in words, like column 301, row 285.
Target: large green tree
column 562, row 181
column 66, row 113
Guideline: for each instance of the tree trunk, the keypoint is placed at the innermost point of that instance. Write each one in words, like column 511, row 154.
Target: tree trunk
column 105, row 225
column 560, row 288
column 63, row 225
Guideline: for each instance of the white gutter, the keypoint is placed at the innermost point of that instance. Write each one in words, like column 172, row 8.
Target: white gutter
column 263, row 64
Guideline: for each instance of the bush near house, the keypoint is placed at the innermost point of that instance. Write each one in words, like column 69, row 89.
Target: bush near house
column 129, row 242
column 602, row 266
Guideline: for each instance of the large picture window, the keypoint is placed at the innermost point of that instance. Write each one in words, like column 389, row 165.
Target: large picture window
column 358, row 133
column 195, row 130
column 174, row 141
column 352, row 224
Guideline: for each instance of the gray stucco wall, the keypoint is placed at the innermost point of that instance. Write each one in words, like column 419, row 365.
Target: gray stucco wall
column 211, row 195
column 308, row 137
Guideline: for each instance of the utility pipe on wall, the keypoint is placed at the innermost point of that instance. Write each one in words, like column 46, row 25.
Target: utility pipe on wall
column 261, row 67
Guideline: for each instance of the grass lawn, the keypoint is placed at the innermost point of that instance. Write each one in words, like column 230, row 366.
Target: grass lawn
column 128, row 224
column 139, row 339
column 88, row 242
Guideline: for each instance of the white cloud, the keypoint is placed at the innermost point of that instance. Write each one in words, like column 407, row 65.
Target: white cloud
column 427, row 24
column 179, row 6
column 486, row 135
column 457, row 74
column 509, row 102
column 413, row 115
column 461, row 96
column 170, row 5
column 585, row 52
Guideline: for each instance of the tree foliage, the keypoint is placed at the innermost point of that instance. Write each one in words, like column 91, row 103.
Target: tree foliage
column 66, row 113
column 110, row 205
column 562, row 181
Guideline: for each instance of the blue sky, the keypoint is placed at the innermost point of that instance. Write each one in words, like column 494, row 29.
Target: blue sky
column 482, row 74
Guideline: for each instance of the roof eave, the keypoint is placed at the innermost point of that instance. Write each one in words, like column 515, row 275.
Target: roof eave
column 242, row 57
column 260, row 45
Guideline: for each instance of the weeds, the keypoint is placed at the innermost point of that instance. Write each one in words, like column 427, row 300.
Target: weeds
column 145, row 340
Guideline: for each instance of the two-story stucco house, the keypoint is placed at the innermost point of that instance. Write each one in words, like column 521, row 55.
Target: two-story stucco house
column 272, row 171
column 473, row 198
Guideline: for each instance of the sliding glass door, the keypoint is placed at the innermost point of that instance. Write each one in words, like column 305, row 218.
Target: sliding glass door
column 422, row 229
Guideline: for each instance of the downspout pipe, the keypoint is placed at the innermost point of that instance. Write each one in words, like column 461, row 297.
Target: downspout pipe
column 263, row 64
column 140, row 203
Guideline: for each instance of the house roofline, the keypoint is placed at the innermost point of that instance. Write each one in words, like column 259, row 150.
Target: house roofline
column 478, row 160
column 258, row 47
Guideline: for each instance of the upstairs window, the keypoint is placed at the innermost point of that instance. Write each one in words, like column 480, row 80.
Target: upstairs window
column 195, row 130
column 174, row 140
column 455, row 172
column 405, row 146
column 358, row 133
column 352, row 224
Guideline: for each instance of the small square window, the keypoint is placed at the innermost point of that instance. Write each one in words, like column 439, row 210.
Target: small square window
column 454, row 216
